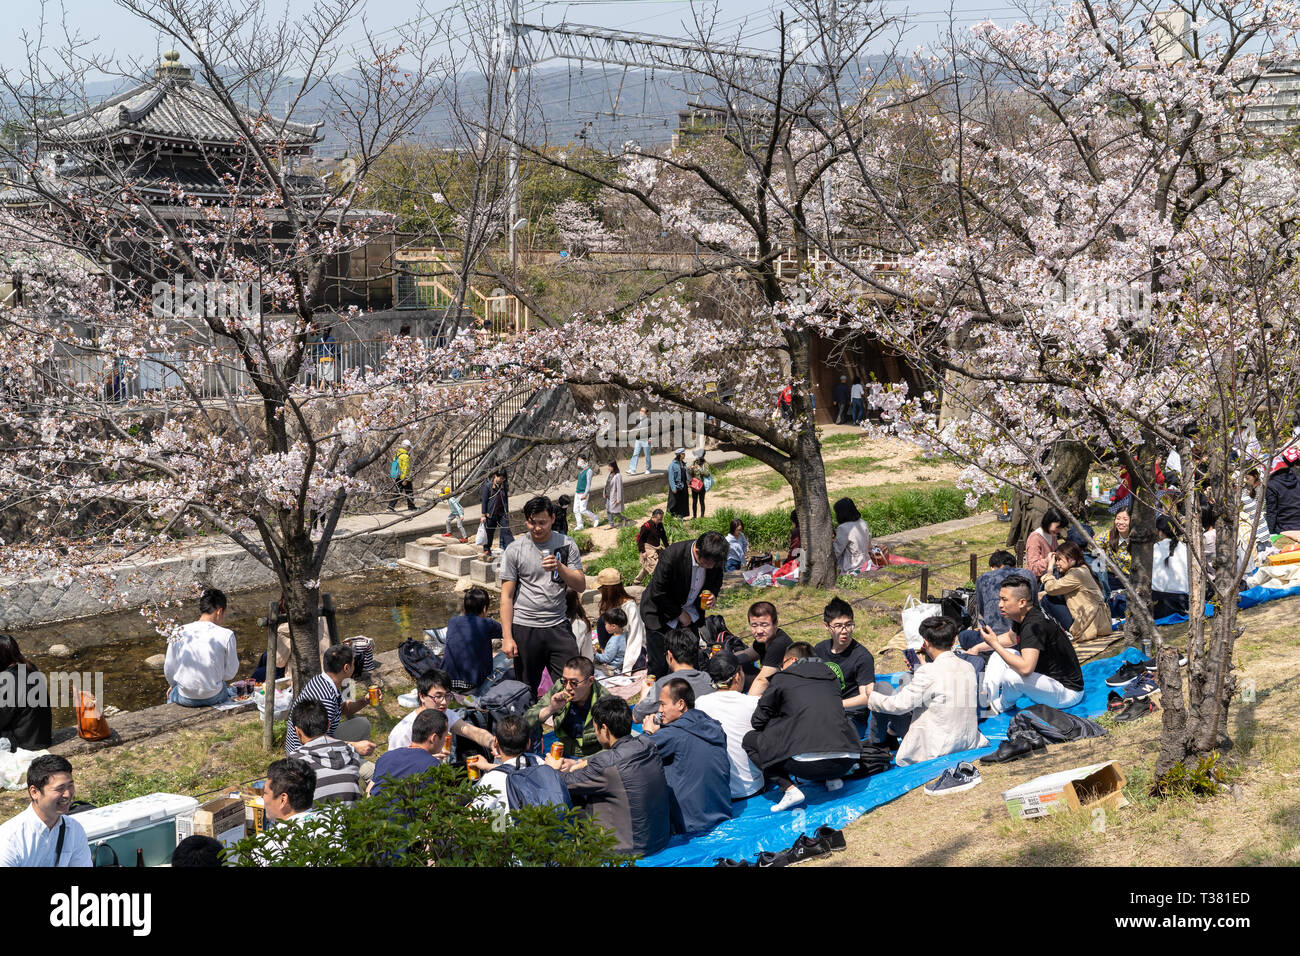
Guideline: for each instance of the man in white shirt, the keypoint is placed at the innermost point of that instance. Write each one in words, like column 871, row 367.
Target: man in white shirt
column 730, row 706
column 290, row 790
column 434, row 693
column 942, row 697
column 44, row 834
column 202, row 656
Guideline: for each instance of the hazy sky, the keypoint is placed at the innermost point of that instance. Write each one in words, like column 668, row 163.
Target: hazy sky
column 117, row 32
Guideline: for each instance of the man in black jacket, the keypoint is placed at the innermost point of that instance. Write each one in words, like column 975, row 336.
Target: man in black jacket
column 799, row 713
column 1282, row 495
column 672, row 599
column 623, row 787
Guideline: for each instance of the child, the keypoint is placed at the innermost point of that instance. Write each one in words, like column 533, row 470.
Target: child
column 610, row 659
column 455, row 513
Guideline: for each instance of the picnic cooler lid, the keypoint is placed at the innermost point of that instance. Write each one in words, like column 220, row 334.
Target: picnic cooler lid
column 116, row 818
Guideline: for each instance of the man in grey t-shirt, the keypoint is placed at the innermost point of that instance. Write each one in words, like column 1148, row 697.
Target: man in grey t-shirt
column 536, row 573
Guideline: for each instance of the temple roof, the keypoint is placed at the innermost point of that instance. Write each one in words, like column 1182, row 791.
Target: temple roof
column 172, row 108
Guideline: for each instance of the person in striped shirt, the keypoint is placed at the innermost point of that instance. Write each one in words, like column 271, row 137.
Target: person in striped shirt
column 337, row 765
column 324, row 687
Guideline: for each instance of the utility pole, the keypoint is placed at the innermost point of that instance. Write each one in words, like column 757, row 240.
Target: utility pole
column 512, row 130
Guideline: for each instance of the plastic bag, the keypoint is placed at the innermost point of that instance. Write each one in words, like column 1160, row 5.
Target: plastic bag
column 480, row 536
column 13, row 766
column 914, row 612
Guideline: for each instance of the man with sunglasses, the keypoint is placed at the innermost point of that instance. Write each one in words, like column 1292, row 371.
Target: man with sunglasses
column 434, row 690
column 568, row 704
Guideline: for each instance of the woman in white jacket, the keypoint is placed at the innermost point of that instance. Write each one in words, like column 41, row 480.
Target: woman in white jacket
column 1168, row 571
column 614, row 595
column 852, row 536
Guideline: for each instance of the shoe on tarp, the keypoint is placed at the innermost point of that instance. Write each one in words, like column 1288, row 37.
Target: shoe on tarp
column 1129, row 672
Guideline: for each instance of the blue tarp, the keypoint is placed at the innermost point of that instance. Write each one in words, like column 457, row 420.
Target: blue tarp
column 755, row 828
column 1247, row 598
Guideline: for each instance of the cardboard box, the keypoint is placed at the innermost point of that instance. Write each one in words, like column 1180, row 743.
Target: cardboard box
column 254, row 809
column 218, row 819
column 1098, row 785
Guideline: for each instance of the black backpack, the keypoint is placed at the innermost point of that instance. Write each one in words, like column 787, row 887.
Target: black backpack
column 508, row 698
column 417, row 658
column 535, row 785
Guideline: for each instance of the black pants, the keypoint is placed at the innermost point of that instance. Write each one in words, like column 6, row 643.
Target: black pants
column 493, row 522
column 543, row 648
column 697, row 501
column 405, row 489
column 772, row 773
column 655, row 661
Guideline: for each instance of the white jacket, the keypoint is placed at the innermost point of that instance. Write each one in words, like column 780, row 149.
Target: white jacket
column 943, row 697
column 852, row 545
column 1169, row 577
column 634, row 634
column 200, row 659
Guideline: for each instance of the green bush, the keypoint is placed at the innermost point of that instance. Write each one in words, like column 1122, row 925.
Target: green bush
column 430, row 820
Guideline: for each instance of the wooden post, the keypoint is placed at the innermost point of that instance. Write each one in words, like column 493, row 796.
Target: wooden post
column 974, row 567
column 925, row 585
column 268, row 708
column 327, row 611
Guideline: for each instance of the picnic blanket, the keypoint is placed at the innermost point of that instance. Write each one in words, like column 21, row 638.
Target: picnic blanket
column 755, row 828
column 1247, row 598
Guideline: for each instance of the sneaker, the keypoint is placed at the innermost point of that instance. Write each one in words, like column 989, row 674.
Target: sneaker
column 1115, row 701
column 723, row 861
column 806, row 848
column 1135, row 709
column 774, row 859
column 834, row 838
column 964, row 776
column 1129, row 672
column 1142, row 688
column 791, row 798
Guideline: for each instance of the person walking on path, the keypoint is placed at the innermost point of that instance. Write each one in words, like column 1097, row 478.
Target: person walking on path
column 856, row 395
column 701, row 480
column 841, row 395
column 496, row 510
column 650, row 542
column 455, row 514
column 614, row 496
column 677, row 500
column 401, row 473
column 640, row 435
column 581, row 494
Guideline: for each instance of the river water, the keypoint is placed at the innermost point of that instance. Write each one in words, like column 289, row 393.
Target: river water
column 387, row 605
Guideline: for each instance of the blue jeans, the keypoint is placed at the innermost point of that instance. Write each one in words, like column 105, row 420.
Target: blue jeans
column 732, row 565
column 977, row 661
column 857, row 411
column 640, row 446
column 176, row 697
column 1054, row 607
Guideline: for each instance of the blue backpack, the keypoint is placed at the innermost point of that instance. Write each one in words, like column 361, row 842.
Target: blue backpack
column 535, row 785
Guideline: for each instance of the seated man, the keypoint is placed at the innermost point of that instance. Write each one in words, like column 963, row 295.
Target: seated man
column 44, row 834
column 1045, row 669
column 337, row 765
column 799, row 713
column 942, row 698
column 468, row 658
column 770, row 643
column 731, row 707
column 510, row 750
column 290, row 784
column 693, row 747
column 433, row 691
column 856, row 666
column 623, row 787
column 425, row 751
column 569, row 705
column 324, row 687
column 682, row 651
column 202, row 656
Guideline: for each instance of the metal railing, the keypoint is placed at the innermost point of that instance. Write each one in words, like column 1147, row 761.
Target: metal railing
column 426, row 279
column 467, row 458
column 160, row 377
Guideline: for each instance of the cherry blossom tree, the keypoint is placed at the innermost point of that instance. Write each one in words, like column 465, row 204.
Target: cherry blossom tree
column 1117, row 272
column 165, row 352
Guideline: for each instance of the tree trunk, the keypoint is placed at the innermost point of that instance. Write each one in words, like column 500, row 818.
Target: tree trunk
column 304, row 603
column 807, row 477
column 1068, row 473
column 1139, row 623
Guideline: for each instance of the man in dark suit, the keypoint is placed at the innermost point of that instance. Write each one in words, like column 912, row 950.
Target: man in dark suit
column 686, row 570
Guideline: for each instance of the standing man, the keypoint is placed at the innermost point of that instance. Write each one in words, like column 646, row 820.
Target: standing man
column 650, row 543
column 614, row 496
column 496, row 509
column 678, row 501
column 581, row 494
column 400, row 472
column 44, row 834
column 841, row 394
column 640, row 434
column 685, row 571
column 536, row 573
column 202, row 656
